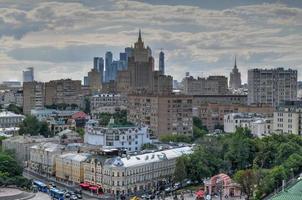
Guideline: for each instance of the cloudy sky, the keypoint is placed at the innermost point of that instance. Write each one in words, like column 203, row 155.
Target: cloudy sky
column 60, row 38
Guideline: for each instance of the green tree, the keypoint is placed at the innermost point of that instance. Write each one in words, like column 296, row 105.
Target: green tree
column 148, row 146
column 32, row 126
column 248, row 180
column 176, row 138
column 9, row 165
column 180, row 172
column 14, row 108
column 80, row 131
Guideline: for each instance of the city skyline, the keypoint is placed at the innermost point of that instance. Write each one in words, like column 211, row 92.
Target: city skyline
column 60, row 39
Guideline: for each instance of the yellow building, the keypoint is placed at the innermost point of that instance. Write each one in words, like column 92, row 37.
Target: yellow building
column 69, row 167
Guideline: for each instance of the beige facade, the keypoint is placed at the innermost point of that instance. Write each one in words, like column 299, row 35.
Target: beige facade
column 161, row 84
column 94, row 80
column 170, row 114
column 287, row 118
column 212, row 114
column 70, row 167
column 213, row 85
column 42, row 157
column 65, row 91
column 220, row 99
column 123, row 81
column 133, row 173
column 33, row 96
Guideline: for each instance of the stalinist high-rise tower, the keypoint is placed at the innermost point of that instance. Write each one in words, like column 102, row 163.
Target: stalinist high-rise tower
column 235, row 77
column 140, row 66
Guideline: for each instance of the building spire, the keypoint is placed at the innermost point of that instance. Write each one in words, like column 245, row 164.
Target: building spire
column 139, row 35
column 235, row 66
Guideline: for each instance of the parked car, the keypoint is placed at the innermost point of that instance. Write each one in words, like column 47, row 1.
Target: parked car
column 79, row 196
column 67, row 194
column 177, row 186
column 73, row 197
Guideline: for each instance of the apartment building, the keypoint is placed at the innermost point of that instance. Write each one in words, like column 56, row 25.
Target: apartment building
column 213, row 85
column 167, row 114
column 42, row 157
column 64, row 91
column 272, row 86
column 70, row 167
column 219, row 99
column 33, row 96
column 288, row 117
column 107, row 103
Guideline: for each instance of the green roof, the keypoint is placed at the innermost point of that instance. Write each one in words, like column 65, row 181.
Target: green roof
column 292, row 193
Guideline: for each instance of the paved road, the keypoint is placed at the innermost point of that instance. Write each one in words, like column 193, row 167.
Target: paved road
column 41, row 196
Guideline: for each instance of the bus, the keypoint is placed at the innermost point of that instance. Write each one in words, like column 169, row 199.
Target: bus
column 41, row 186
column 56, row 194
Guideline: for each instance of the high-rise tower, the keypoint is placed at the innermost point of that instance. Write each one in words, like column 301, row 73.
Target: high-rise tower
column 235, row 77
column 108, row 62
column 161, row 64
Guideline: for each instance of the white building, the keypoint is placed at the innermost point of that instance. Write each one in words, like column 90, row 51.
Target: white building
column 107, row 103
column 257, row 123
column 287, row 118
column 271, row 86
column 10, row 119
column 42, row 157
column 134, row 173
column 127, row 137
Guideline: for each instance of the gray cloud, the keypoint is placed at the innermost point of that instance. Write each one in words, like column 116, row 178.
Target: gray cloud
column 50, row 33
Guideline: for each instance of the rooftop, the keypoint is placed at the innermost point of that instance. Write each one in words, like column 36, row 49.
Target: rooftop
column 144, row 159
column 292, row 193
column 79, row 157
column 9, row 114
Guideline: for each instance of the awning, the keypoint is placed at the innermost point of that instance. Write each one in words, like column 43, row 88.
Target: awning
column 93, row 188
column 200, row 193
column 85, row 185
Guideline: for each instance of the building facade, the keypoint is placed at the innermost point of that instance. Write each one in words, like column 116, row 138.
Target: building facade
column 235, row 77
column 288, row 118
column 64, row 91
column 33, row 96
column 130, row 138
column 166, row 114
column 42, row 157
column 258, row 123
column 70, row 167
column 161, row 62
column 28, row 75
column 10, row 119
column 94, row 80
column 21, row 146
column 134, row 173
column 107, row 103
column 213, row 85
column 272, row 86
column 219, row 99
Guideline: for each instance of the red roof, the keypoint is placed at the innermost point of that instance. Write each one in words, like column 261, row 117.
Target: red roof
column 79, row 115
column 200, row 193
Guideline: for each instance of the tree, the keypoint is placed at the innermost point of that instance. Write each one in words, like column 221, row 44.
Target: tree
column 9, row 165
column 180, row 172
column 248, row 180
column 148, row 146
column 32, row 126
column 15, row 109
column 80, row 131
